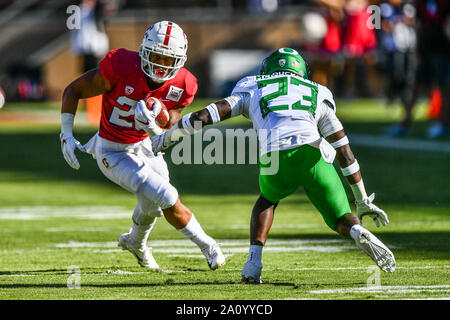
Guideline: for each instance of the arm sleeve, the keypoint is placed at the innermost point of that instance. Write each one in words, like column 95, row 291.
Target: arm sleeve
column 239, row 103
column 328, row 123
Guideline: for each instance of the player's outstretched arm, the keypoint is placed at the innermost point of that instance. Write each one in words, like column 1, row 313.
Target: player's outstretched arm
column 350, row 169
column 192, row 123
column 90, row 84
column 175, row 115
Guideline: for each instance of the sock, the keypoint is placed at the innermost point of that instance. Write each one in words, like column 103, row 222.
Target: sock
column 255, row 254
column 355, row 230
column 194, row 232
column 139, row 233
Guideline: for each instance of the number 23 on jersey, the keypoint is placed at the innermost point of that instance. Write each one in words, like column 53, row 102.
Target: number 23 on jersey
column 292, row 94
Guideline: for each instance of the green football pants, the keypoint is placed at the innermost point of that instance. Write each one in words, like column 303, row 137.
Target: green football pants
column 304, row 166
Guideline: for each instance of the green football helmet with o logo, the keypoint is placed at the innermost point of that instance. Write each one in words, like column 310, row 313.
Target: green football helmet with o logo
column 285, row 59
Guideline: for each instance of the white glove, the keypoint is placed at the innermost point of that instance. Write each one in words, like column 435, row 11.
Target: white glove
column 366, row 207
column 145, row 119
column 161, row 142
column 68, row 144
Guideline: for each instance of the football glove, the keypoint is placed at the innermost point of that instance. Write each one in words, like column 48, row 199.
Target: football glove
column 365, row 207
column 68, row 145
column 145, row 119
column 161, row 142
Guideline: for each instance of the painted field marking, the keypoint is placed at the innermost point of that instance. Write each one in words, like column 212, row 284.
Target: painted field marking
column 387, row 289
column 71, row 229
column 77, row 212
column 183, row 247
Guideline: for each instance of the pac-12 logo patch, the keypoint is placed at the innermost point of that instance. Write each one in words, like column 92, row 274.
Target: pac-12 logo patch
column 174, row 93
column 282, row 62
column 129, row 90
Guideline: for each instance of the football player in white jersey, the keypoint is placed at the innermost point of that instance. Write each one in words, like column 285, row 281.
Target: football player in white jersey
column 297, row 125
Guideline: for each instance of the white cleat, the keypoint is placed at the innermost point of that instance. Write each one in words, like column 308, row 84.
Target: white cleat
column 375, row 249
column 251, row 273
column 214, row 256
column 144, row 256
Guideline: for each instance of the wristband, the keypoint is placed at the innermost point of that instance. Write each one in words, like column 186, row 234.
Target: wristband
column 175, row 133
column 186, row 123
column 67, row 120
column 213, row 112
column 351, row 169
column 341, row 142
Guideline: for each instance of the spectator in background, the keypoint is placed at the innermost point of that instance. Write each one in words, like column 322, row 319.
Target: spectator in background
column 358, row 42
column 433, row 51
column 348, row 35
column 90, row 42
column 397, row 49
column 329, row 63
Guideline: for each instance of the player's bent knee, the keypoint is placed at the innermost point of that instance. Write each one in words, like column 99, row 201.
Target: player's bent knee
column 168, row 198
column 163, row 195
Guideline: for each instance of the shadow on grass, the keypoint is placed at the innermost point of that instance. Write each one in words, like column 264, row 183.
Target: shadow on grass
column 416, row 245
column 137, row 285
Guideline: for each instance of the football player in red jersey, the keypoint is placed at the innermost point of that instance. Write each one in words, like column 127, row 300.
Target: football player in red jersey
column 122, row 150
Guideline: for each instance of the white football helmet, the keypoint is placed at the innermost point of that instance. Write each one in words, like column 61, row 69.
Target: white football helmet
column 166, row 38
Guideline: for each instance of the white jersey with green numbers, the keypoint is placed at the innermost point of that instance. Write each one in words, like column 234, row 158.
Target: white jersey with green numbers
column 287, row 111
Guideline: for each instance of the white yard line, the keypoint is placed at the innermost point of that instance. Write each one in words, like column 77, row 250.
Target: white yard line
column 77, row 212
column 231, row 247
column 189, row 244
column 387, row 289
column 69, row 229
column 364, row 268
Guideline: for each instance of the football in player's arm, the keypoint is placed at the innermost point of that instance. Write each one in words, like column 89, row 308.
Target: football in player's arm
column 122, row 150
column 285, row 68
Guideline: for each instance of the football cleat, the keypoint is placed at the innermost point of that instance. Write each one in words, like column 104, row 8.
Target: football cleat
column 214, row 256
column 251, row 273
column 376, row 250
column 144, row 256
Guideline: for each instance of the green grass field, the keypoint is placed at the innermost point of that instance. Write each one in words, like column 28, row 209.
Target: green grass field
column 60, row 226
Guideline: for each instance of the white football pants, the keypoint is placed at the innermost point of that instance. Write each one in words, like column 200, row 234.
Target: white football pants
column 135, row 168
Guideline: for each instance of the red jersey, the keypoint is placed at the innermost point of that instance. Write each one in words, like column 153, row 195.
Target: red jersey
column 122, row 68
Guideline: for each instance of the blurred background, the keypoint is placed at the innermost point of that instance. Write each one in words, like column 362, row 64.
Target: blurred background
column 396, row 51
column 387, row 64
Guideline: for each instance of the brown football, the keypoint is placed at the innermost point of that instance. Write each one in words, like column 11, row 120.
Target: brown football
column 162, row 119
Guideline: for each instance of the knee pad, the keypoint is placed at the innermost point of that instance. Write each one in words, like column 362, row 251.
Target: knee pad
column 168, row 198
column 162, row 195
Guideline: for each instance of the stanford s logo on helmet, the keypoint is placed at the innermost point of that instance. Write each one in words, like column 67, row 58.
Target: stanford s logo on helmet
column 168, row 39
column 285, row 59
